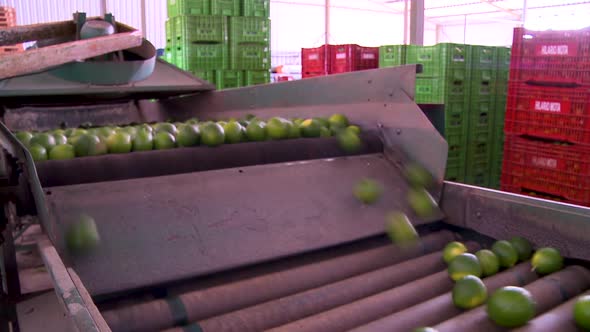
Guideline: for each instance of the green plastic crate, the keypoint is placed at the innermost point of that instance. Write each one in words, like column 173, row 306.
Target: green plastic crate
column 228, row 79
column 440, row 90
column 188, row 7
column 256, row 77
column 484, row 57
column 225, row 7
column 504, row 58
column 258, row 8
column 438, row 59
column 479, row 148
column 481, row 116
column 201, row 56
column 199, row 29
column 249, row 57
column 456, row 119
column 478, row 174
column 249, row 30
column 392, row 55
column 455, row 170
column 207, row 75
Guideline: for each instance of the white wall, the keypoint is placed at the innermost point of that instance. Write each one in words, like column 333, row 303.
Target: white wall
column 125, row 11
column 492, row 34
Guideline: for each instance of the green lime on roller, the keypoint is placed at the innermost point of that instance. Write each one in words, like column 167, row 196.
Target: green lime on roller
column 278, row 128
column 234, row 132
column 38, row 152
column 523, row 248
column 511, row 307
column 582, row 312
column 452, row 250
column 143, row 141
column 506, row 253
column 490, row 264
column 546, row 261
column 188, row 135
column 62, row 152
column 349, row 141
column 338, row 121
column 469, row 292
column 464, row 265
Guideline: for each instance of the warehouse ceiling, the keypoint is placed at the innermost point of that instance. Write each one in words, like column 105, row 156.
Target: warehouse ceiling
column 541, row 14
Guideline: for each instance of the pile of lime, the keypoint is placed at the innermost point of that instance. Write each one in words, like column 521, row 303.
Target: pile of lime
column 508, row 306
column 112, row 139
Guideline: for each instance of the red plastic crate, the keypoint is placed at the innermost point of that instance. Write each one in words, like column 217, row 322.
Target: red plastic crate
column 313, row 61
column 544, row 167
column 551, row 56
column 351, row 57
column 312, row 74
column 559, row 113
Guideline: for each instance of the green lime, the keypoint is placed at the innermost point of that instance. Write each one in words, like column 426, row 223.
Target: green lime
column 425, row 329
column 522, row 247
column 164, row 140
column 310, row 128
column 506, row 253
column 297, row 121
column 188, row 135
column 167, row 127
column 325, row 132
column 511, row 307
column 349, row 141
column 338, row 121
column 24, row 137
column 59, row 132
column 277, row 128
column 582, row 312
column 400, row 229
column 82, row 235
column 452, row 250
column 143, row 141
column 355, row 129
column 322, row 121
column 192, row 121
column 547, row 260
column 418, row 176
column 490, row 264
column 61, row 152
column 119, row 143
column 74, row 132
column 60, row 139
column 38, row 152
column 45, row 140
column 421, row 202
column 234, row 132
column 367, row 191
column 256, row 130
column 469, row 292
column 294, row 131
column 212, row 134
column 132, row 131
column 105, row 132
column 89, row 145
column 464, row 265
column 222, row 123
column 144, row 126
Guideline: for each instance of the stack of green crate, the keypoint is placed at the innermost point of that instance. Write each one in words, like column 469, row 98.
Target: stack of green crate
column 249, row 40
column 444, row 80
column 392, row 55
column 503, row 69
column 482, row 103
column 201, row 37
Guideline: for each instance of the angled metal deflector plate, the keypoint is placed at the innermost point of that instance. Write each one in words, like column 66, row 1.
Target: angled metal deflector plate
column 161, row 229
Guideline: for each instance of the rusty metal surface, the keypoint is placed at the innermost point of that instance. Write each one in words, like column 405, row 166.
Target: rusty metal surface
column 441, row 308
column 281, row 311
column 155, row 229
column 559, row 319
column 504, row 215
column 373, row 307
column 202, row 303
column 114, row 167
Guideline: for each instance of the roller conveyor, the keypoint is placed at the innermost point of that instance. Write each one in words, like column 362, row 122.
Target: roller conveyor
column 266, row 236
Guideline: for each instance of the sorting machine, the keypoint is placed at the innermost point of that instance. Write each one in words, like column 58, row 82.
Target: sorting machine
column 267, row 235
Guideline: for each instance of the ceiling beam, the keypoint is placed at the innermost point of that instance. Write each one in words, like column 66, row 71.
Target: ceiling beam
column 502, row 9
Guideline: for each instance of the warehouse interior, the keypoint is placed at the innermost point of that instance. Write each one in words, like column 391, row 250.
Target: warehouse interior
column 295, row 165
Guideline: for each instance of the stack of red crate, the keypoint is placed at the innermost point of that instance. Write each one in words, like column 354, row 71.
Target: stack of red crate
column 340, row 59
column 547, row 124
column 7, row 20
